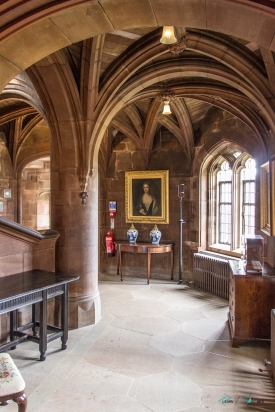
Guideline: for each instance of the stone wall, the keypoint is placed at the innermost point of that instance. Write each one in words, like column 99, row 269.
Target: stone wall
column 219, row 133
column 167, row 154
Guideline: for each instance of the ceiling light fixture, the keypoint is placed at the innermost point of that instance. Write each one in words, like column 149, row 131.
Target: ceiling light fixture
column 168, row 35
column 167, row 96
column 166, row 107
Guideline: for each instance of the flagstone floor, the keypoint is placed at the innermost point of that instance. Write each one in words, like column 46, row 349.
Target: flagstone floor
column 161, row 347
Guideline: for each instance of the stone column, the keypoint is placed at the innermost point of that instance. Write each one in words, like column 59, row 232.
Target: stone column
column 77, row 247
column 68, row 115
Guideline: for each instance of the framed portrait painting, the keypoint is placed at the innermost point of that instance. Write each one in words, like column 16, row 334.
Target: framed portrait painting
column 147, row 196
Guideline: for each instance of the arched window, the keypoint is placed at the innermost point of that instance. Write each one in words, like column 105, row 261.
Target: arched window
column 248, row 175
column 224, row 202
column 232, row 197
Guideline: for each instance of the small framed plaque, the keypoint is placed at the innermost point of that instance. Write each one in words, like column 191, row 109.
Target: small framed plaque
column 1, row 206
column 7, row 193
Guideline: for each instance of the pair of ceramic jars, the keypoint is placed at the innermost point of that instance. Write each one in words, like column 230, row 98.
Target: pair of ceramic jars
column 155, row 235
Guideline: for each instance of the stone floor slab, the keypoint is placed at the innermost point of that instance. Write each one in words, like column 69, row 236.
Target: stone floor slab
column 139, row 306
column 117, row 337
column 141, row 346
column 111, row 296
column 208, row 369
column 177, row 344
column 184, row 315
column 166, row 392
column 131, row 361
column 99, row 404
column 89, row 380
column 149, row 325
column 207, row 329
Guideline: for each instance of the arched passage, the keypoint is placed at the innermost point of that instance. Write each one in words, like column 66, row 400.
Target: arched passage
column 35, row 193
column 80, row 115
column 45, row 29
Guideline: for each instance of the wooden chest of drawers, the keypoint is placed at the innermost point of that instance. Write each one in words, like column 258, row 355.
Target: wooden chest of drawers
column 251, row 299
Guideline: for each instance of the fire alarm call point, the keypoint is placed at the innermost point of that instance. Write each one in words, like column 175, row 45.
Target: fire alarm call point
column 112, row 208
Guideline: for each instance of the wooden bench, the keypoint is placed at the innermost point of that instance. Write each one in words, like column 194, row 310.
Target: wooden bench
column 12, row 385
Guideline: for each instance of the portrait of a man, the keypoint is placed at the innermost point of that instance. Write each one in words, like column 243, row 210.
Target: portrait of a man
column 146, row 196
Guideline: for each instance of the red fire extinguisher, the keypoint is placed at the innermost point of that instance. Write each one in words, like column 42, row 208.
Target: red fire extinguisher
column 109, row 244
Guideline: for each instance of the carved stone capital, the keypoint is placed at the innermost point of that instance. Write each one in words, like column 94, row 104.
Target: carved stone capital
column 83, row 180
column 84, row 196
column 179, row 46
column 168, row 95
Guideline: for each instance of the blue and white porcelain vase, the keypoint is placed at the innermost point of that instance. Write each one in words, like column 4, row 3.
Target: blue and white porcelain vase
column 155, row 235
column 132, row 234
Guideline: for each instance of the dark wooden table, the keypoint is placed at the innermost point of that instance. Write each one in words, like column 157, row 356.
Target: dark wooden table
column 34, row 288
column 147, row 248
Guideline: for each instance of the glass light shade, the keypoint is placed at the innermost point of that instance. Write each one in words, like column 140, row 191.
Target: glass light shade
column 168, row 35
column 166, row 107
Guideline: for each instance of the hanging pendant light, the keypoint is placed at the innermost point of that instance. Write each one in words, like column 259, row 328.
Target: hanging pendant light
column 168, row 35
column 166, row 97
column 166, row 107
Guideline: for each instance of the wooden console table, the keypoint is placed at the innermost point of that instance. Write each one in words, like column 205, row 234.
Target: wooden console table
column 34, row 288
column 126, row 247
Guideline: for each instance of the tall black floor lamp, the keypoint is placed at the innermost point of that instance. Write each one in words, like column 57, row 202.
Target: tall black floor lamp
column 180, row 195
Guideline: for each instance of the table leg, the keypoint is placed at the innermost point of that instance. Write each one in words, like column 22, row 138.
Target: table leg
column 148, row 267
column 118, row 260
column 121, row 266
column 172, row 264
column 64, row 316
column 43, row 326
column 13, row 325
column 34, row 319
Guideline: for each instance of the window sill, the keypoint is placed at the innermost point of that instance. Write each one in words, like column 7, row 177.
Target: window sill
column 225, row 250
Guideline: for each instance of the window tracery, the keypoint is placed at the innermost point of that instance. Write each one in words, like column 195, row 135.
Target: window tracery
column 232, row 200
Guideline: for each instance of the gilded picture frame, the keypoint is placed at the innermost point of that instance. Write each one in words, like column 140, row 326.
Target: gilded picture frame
column 265, row 197
column 147, row 196
column 272, row 195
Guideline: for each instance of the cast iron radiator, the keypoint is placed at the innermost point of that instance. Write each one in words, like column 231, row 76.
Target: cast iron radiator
column 211, row 274
column 272, row 343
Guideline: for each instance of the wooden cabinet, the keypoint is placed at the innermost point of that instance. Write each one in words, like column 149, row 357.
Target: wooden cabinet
column 254, row 252
column 251, row 299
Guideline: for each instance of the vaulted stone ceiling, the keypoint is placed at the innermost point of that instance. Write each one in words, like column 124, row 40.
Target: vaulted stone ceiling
column 209, row 70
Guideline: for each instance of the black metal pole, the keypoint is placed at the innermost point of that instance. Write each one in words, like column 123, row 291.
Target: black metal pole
column 180, row 195
column 180, row 243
